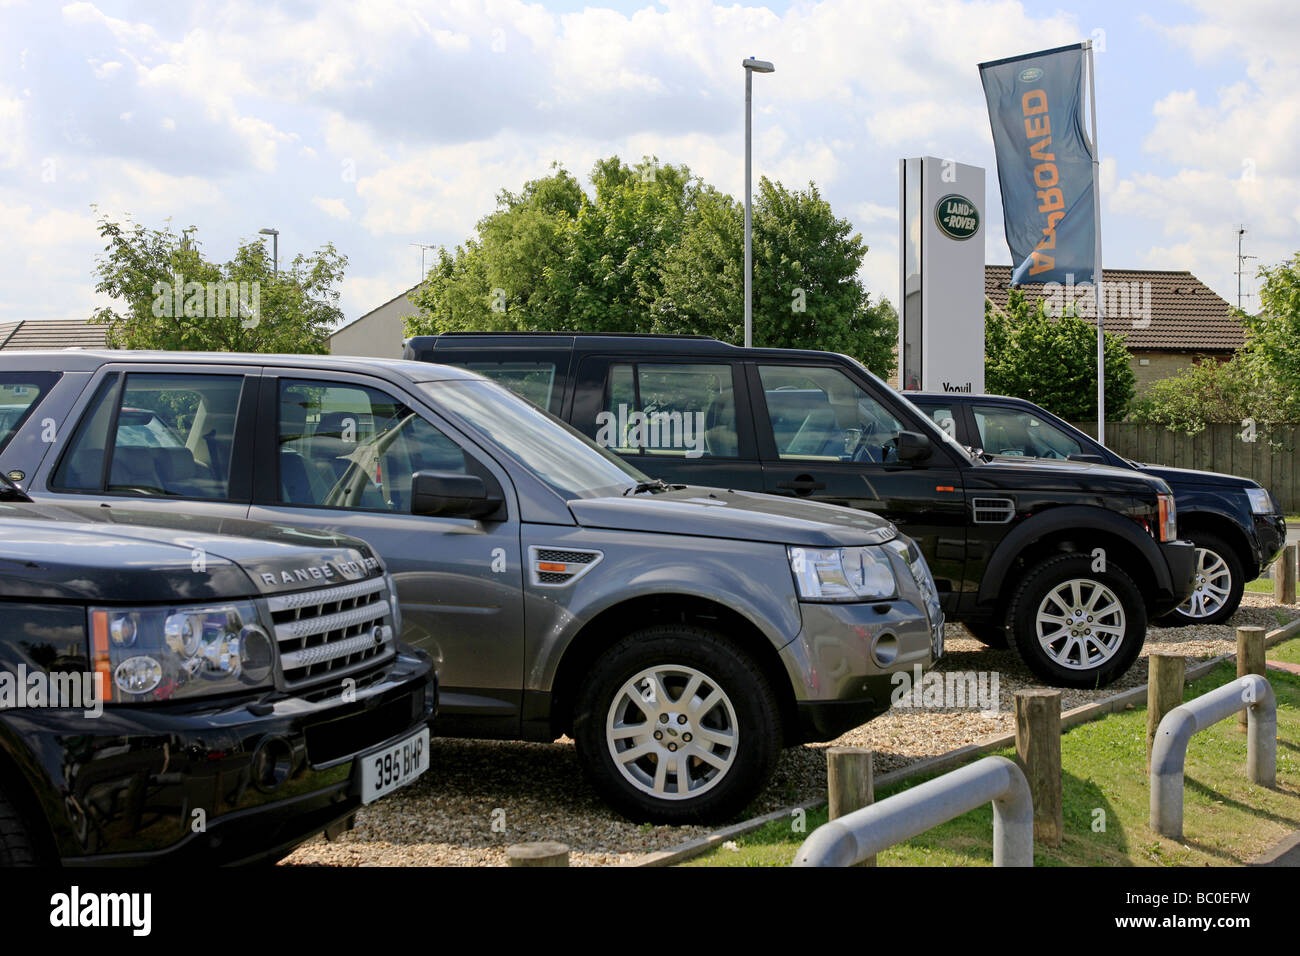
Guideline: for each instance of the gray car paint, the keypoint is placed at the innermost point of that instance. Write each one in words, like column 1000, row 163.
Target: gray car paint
column 493, row 633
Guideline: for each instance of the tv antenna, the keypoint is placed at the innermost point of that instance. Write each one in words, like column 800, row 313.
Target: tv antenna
column 1241, row 263
column 424, row 246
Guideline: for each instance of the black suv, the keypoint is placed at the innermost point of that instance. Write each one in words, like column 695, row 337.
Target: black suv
column 178, row 688
column 1070, row 558
column 1235, row 523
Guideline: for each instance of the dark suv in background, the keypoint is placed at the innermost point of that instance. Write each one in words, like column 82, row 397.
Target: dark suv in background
column 1069, row 559
column 1236, row 524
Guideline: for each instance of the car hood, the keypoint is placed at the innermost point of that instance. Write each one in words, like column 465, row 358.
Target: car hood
column 1186, row 476
column 738, row 515
column 56, row 552
column 1049, row 474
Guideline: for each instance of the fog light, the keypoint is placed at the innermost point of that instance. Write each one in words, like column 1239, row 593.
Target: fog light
column 137, row 675
column 885, row 648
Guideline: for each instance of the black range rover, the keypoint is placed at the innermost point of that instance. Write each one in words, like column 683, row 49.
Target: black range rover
column 184, row 689
column 1068, row 560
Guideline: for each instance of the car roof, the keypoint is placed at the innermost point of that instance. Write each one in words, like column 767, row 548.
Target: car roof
column 968, row 397
column 630, row 342
column 88, row 360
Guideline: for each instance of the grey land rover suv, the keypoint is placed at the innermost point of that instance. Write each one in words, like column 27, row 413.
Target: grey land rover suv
column 680, row 634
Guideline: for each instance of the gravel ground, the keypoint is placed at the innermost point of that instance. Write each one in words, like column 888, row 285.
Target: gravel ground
column 481, row 796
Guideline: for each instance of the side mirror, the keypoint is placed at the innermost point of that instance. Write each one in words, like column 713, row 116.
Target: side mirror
column 1087, row 458
column 449, row 494
column 913, row 447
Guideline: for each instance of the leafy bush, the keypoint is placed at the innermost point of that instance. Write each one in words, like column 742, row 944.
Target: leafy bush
column 1052, row 362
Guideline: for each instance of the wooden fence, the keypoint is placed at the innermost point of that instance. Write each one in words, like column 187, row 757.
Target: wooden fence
column 1270, row 459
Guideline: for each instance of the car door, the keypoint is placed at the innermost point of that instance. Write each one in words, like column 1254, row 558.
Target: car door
column 175, row 438
column 338, row 452
column 827, row 435
column 681, row 420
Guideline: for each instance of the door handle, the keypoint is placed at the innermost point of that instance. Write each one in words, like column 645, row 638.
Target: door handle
column 804, row 484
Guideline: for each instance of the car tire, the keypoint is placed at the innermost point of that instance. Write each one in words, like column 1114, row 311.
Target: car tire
column 16, row 845
column 730, row 699
column 1221, row 580
column 1056, row 636
column 989, row 633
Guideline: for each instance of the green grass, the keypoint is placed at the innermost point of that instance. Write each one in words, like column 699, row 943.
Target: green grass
column 1227, row 820
column 1260, row 586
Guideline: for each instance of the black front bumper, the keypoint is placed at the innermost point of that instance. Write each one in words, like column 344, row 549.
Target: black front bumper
column 1270, row 539
column 821, row 720
column 1180, row 558
column 209, row 784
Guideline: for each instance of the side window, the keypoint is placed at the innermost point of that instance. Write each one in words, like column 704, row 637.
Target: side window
column 679, row 410
column 20, row 392
column 819, row 413
column 169, row 435
column 942, row 416
column 348, row 446
column 534, row 381
column 1009, row 431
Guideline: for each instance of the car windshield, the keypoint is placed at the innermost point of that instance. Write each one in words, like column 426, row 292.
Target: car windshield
column 566, row 460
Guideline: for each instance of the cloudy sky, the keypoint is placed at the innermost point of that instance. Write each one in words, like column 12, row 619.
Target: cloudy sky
column 376, row 124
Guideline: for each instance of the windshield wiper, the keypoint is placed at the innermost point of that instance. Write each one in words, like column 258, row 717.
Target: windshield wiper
column 654, row 484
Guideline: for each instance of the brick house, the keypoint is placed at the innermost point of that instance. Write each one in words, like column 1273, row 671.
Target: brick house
column 1169, row 320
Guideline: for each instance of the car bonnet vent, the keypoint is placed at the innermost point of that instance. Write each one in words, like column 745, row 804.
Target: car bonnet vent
column 559, row 567
column 993, row 510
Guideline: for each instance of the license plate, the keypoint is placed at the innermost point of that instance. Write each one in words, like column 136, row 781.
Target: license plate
column 394, row 766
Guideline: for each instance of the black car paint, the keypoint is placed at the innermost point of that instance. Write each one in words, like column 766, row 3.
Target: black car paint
column 1205, row 500
column 123, row 788
column 929, row 501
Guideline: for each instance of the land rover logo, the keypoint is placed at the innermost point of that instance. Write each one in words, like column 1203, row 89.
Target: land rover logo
column 957, row 216
column 1031, row 74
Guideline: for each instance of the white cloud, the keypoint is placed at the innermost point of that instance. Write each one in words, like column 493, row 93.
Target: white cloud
column 334, row 208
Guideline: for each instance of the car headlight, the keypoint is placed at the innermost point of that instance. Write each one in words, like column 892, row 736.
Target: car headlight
column 162, row 653
column 1261, row 502
column 842, row 574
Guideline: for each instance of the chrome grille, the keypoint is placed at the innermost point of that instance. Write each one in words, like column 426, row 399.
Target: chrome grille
column 331, row 633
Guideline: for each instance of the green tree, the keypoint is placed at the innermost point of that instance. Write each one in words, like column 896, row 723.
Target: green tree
column 655, row 249
column 1052, row 361
column 1273, row 335
column 168, row 296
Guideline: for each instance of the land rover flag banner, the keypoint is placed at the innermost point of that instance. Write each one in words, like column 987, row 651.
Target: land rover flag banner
column 1044, row 163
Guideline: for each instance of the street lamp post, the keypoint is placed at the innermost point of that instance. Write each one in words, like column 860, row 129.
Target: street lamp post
column 751, row 66
column 275, row 248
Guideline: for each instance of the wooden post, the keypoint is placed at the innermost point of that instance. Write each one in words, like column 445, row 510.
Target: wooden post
column 1250, row 660
column 1284, row 576
column 1038, row 749
column 849, row 783
column 1165, row 676
column 546, row 853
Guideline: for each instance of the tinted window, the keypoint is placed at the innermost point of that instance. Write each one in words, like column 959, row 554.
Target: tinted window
column 1011, row 431
column 679, row 410
column 347, row 446
column 534, row 381
column 822, row 414
column 942, row 415
column 169, row 435
column 20, row 392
